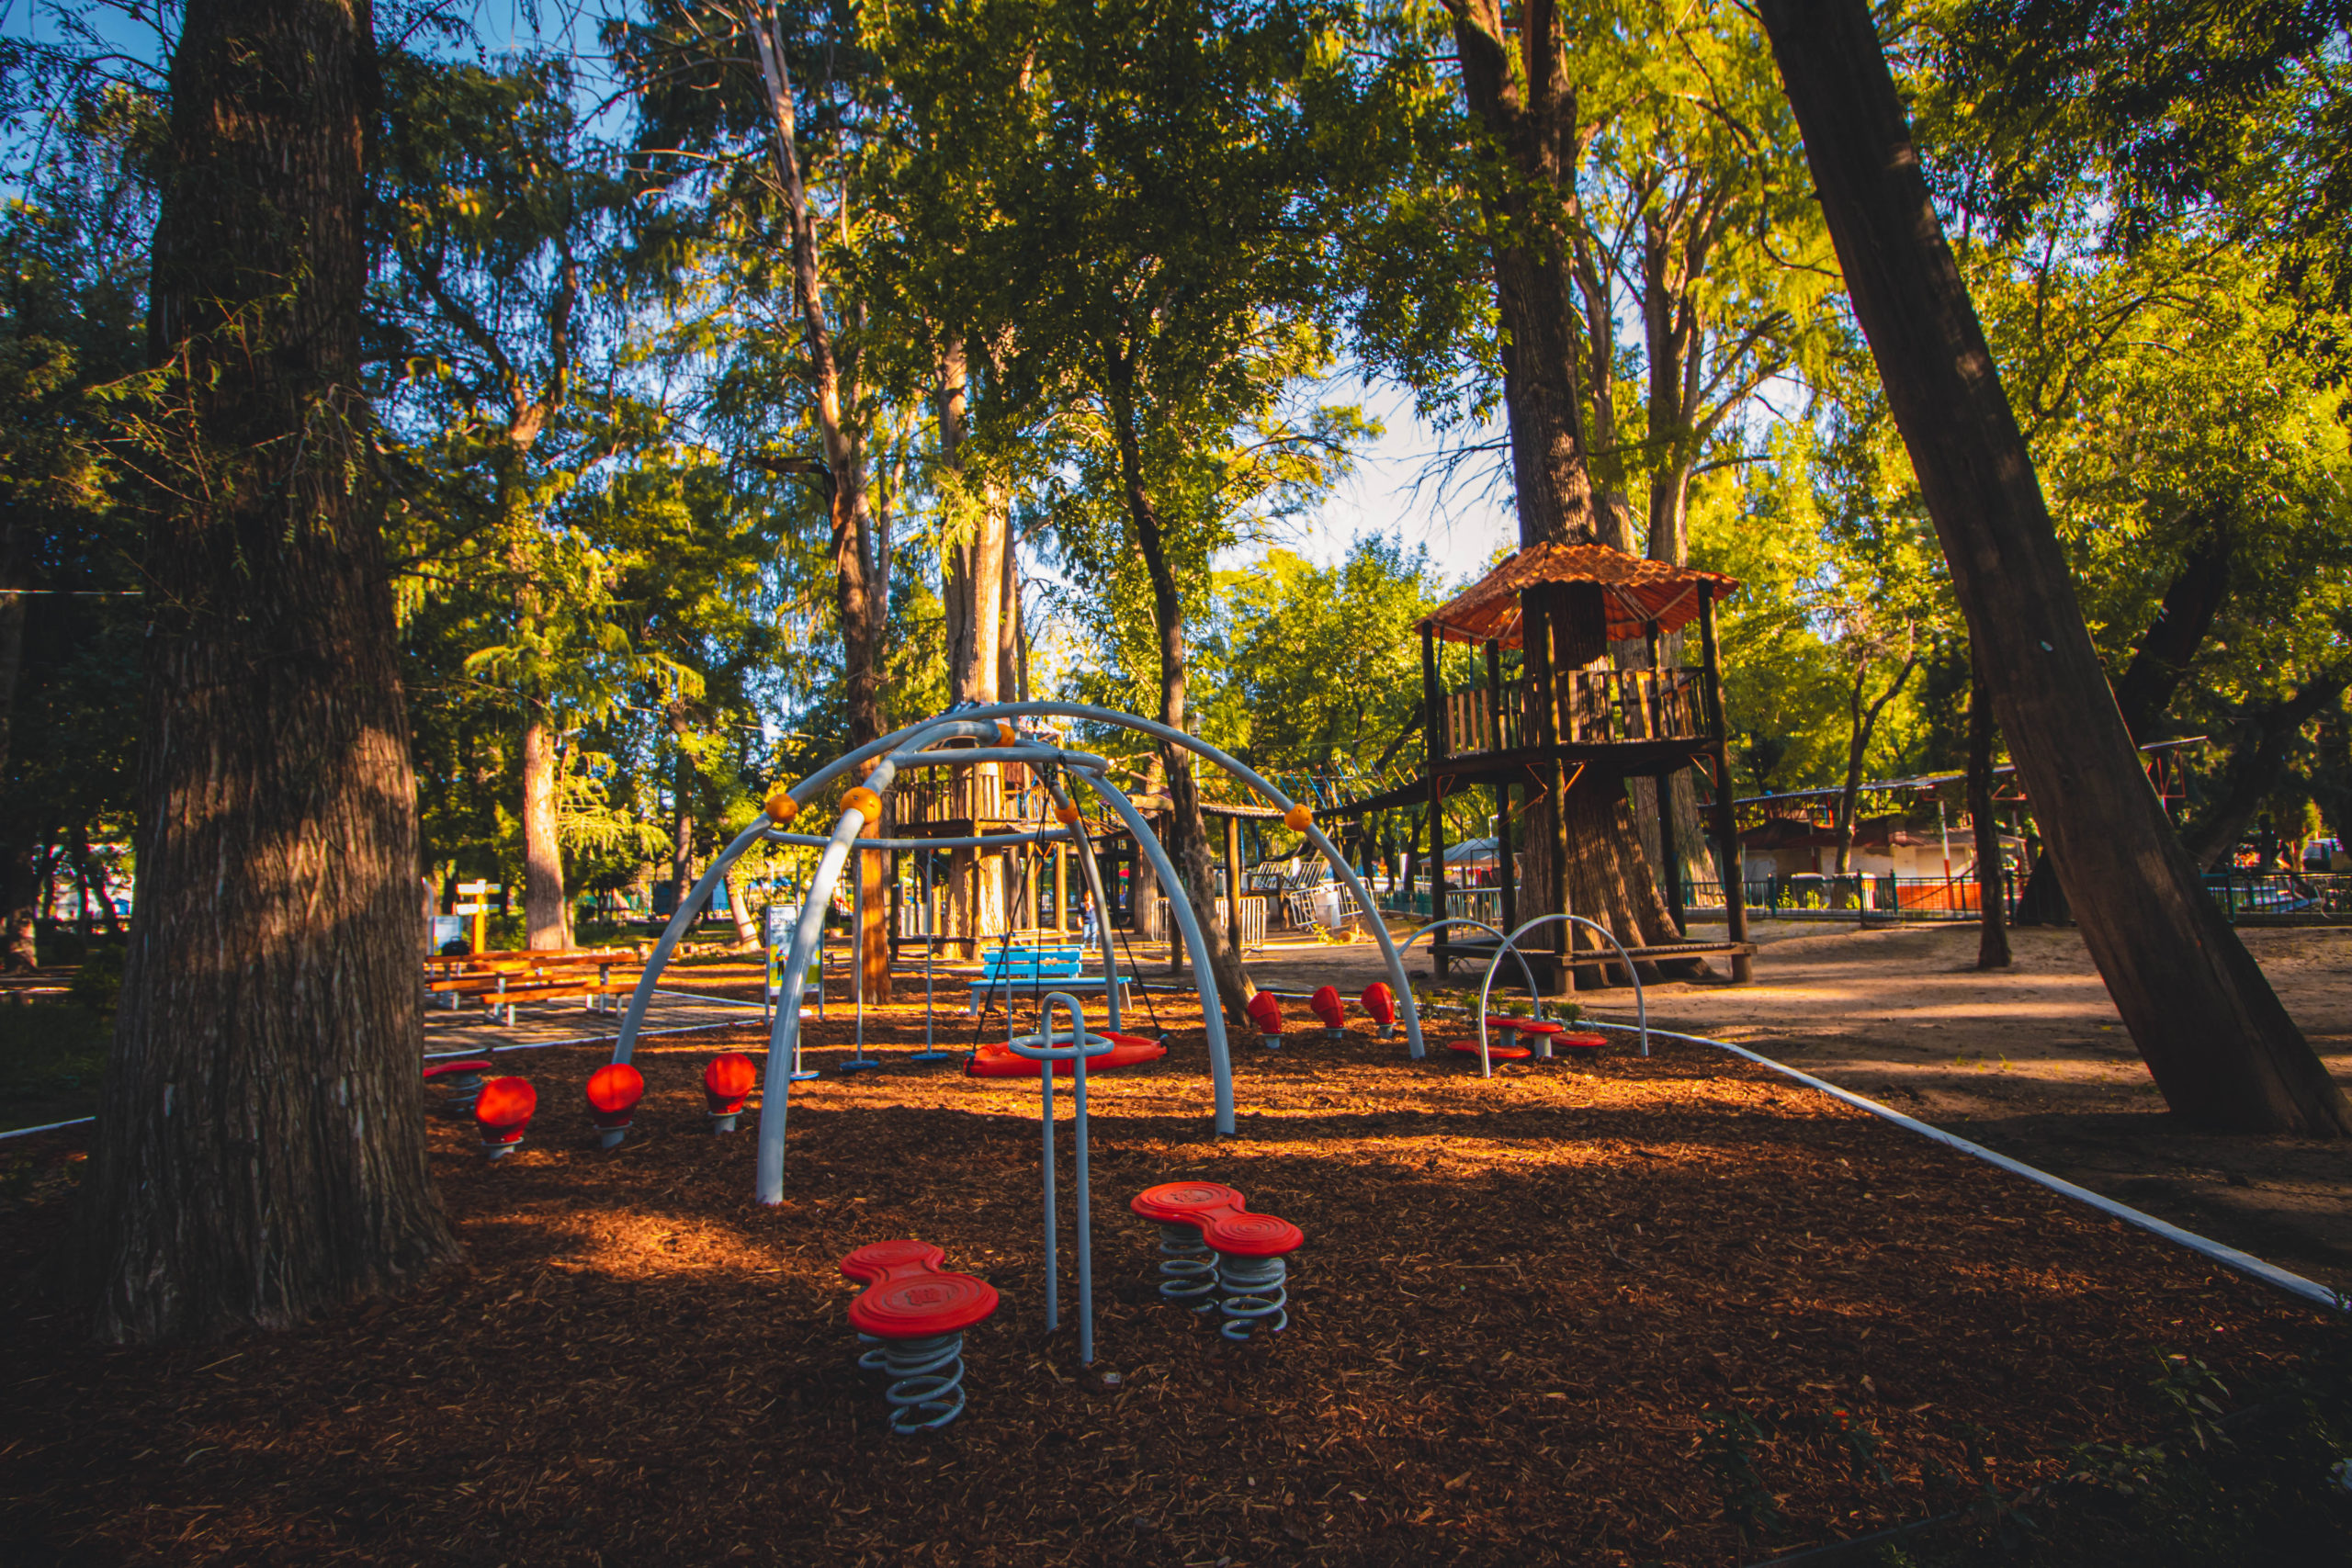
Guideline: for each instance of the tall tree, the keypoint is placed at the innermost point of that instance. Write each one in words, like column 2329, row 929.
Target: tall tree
column 495, row 206
column 260, row 1151
column 2221, row 1048
column 1582, row 850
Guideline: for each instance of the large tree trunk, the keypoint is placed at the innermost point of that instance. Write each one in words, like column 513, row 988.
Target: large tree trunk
column 2255, row 767
column 543, row 923
column 681, row 819
column 974, row 599
column 1187, row 834
column 2163, row 657
column 1993, row 940
column 260, row 1152
column 2222, row 1050
column 831, row 373
column 1528, row 105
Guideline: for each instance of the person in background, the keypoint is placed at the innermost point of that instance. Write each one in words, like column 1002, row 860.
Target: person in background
column 1088, row 928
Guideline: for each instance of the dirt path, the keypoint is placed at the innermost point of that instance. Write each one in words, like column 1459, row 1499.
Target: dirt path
column 2033, row 1062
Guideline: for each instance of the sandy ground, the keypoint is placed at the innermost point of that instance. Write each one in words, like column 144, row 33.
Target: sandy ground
column 2033, row 1062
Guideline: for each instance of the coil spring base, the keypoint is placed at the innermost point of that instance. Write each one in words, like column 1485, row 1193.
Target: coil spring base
column 1188, row 1268
column 1253, row 1293
column 926, row 1377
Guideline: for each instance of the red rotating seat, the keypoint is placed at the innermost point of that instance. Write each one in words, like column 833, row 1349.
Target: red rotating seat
column 1498, row 1052
column 1584, row 1043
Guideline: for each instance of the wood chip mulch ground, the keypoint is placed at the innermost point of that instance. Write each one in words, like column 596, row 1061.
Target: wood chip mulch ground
column 1533, row 1321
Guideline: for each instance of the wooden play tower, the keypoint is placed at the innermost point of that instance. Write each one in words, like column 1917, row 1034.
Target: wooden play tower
column 1577, row 719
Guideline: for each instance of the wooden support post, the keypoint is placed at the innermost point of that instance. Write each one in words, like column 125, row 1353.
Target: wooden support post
column 1434, row 729
column 1743, row 966
column 1233, row 883
column 1061, row 887
column 1669, row 861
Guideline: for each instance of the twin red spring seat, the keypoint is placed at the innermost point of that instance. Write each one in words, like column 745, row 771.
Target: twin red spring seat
column 1200, row 1220
column 915, row 1313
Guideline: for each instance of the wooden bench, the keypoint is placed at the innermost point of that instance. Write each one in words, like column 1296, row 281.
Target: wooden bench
column 503, row 990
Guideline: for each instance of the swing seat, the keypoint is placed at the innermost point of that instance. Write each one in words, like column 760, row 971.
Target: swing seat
column 995, row 1059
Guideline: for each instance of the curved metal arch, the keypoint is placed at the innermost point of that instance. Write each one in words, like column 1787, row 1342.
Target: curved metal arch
column 909, row 744
column 1641, row 1008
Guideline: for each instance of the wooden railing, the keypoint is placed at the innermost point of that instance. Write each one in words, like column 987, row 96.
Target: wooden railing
column 986, row 792
column 1597, row 708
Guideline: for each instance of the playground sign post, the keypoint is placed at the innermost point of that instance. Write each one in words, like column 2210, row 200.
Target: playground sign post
column 473, row 899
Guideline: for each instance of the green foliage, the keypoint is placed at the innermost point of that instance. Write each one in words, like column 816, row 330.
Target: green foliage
column 51, row 1057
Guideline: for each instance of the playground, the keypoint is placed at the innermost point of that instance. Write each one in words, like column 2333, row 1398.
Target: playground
column 1532, row 1319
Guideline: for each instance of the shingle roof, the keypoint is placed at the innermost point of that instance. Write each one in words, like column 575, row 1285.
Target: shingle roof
column 1636, row 591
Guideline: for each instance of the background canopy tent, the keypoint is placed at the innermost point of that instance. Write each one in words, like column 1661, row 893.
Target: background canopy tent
column 1634, row 592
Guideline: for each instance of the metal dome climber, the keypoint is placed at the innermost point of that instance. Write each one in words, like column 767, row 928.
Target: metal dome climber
column 910, row 748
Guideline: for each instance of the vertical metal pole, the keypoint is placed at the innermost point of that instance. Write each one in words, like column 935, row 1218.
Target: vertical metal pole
column 1085, row 1215
column 1053, row 1248
column 1743, row 966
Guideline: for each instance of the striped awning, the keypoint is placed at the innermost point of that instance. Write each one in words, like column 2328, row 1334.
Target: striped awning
column 1634, row 590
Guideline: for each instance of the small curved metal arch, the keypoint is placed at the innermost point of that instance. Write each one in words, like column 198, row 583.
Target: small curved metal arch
column 1641, row 1008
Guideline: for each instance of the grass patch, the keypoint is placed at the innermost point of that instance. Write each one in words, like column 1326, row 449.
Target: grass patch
column 51, row 1055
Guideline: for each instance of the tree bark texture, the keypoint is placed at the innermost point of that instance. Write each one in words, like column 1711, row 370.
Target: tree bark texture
column 547, row 925
column 2221, row 1048
column 1527, row 107
column 260, row 1152
column 1992, row 939
column 2182, row 620
column 975, row 609
column 832, row 376
column 1186, row 832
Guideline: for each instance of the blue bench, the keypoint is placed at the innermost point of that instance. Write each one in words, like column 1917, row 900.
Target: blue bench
column 1037, row 970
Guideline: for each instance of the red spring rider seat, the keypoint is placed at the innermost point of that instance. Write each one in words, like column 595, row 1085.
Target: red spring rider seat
column 1252, row 1259
column 916, row 1312
column 614, row 1091
column 1251, row 1253
column 1541, row 1033
column 1326, row 1006
column 1188, row 1268
column 1381, row 1003
column 502, row 1113
column 726, row 1083
column 1266, row 1012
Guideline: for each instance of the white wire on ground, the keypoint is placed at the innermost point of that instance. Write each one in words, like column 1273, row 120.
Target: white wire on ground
column 2228, row 1256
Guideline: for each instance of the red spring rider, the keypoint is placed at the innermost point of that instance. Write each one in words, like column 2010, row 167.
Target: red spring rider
column 1381, row 1002
column 1331, row 1011
column 726, row 1083
column 503, row 1113
column 613, row 1094
column 1267, row 1014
